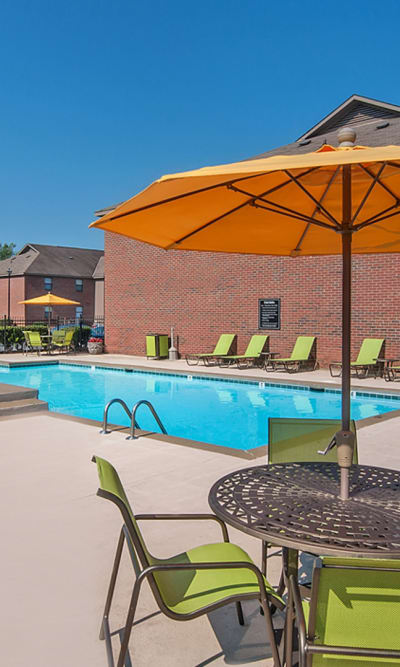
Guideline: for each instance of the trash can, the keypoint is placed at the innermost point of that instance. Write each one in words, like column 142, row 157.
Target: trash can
column 156, row 346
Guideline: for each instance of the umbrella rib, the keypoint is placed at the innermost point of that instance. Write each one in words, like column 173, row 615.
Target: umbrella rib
column 279, row 207
column 317, row 203
column 377, row 216
column 368, row 223
column 297, row 216
column 308, row 225
column 383, row 185
column 249, row 202
column 367, row 194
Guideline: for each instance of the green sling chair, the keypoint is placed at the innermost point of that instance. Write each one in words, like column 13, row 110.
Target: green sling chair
column 62, row 339
column 296, row 440
column 33, row 342
column 189, row 584
column 303, row 356
column 258, row 344
column 353, row 615
column 222, row 348
column 365, row 363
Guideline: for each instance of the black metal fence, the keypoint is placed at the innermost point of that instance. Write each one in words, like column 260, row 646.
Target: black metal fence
column 12, row 338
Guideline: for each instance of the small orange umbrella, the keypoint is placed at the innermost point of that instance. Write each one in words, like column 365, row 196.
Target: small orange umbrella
column 50, row 299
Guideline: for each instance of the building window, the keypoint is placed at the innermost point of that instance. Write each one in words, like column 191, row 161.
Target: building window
column 48, row 284
column 78, row 313
column 79, row 285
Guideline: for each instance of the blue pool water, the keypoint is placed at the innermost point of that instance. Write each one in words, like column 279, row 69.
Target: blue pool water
column 221, row 412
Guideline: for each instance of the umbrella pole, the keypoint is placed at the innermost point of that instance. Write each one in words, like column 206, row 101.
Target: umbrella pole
column 344, row 455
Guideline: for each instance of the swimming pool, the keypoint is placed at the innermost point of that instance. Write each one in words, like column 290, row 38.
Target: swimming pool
column 232, row 413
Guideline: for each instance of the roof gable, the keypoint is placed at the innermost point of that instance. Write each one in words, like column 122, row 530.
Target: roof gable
column 354, row 111
column 47, row 260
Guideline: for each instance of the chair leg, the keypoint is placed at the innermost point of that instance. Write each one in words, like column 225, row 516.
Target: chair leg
column 129, row 623
column 270, row 632
column 240, row 613
column 113, row 579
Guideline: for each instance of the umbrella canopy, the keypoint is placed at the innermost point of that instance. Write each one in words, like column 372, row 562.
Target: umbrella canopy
column 49, row 299
column 332, row 201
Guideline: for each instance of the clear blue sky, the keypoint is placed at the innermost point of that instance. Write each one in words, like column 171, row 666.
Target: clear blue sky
column 99, row 98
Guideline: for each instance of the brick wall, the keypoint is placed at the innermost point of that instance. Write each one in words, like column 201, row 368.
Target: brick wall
column 204, row 294
column 17, row 293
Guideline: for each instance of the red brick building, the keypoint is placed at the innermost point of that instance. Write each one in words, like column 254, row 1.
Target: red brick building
column 73, row 273
column 203, row 294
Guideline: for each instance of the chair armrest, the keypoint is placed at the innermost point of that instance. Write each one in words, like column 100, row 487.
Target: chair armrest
column 185, row 517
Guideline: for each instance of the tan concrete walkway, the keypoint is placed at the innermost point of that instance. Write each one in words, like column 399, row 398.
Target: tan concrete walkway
column 58, row 541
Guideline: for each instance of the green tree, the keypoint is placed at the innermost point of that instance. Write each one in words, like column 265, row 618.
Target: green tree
column 6, row 250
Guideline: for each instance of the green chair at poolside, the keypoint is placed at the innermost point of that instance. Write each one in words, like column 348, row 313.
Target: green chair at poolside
column 353, row 615
column 258, row 344
column 303, row 356
column 292, row 439
column 295, row 440
column 187, row 585
column 62, row 339
column 222, row 348
column 365, row 363
column 33, row 342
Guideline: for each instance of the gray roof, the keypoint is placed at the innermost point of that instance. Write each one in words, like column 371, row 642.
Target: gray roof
column 98, row 273
column 375, row 123
column 49, row 260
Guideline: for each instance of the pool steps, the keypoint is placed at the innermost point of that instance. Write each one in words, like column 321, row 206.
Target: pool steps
column 19, row 400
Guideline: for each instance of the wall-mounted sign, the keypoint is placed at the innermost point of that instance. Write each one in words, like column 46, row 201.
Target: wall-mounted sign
column 269, row 313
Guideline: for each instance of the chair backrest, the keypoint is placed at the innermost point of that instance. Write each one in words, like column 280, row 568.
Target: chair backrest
column 34, row 338
column 294, row 440
column 356, row 602
column 69, row 333
column 302, row 348
column 370, row 349
column 58, row 336
column 224, row 344
column 111, row 488
column 258, row 343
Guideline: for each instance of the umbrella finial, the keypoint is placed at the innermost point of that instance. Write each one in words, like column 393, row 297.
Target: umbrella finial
column 346, row 136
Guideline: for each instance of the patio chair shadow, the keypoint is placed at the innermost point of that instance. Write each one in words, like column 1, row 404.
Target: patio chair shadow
column 241, row 644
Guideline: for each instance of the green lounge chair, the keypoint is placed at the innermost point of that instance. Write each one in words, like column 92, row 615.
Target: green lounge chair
column 33, row 342
column 370, row 350
column 353, row 615
column 257, row 345
column 295, row 440
column 187, row 585
column 222, row 348
column 302, row 357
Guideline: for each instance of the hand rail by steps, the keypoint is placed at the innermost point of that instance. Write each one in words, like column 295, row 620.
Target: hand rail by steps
column 132, row 416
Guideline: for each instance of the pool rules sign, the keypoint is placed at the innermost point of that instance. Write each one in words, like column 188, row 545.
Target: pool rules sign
column 269, row 313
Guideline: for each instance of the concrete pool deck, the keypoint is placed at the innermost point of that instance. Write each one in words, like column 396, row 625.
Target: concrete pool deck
column 59, row 538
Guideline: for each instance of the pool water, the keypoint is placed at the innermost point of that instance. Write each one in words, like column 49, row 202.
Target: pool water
column 221, row 412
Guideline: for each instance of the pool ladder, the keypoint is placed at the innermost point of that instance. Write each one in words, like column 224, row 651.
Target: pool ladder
column 132, row 416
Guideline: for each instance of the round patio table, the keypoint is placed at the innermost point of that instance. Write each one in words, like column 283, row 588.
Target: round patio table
column 296, row 506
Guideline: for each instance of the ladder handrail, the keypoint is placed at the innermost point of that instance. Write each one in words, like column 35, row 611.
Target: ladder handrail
column 106, row 409
column 134, row 423
column 132, row 416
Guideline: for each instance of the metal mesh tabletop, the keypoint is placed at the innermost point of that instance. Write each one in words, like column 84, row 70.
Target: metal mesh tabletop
column 296, row 505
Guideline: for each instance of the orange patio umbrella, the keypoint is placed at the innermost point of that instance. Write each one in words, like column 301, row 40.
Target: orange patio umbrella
column 336, row 200
column 50, row 299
